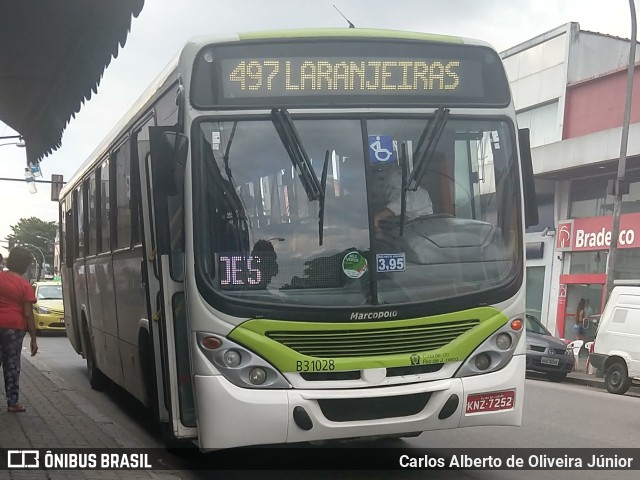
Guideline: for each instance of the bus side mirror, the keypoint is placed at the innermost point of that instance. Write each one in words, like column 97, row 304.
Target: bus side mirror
column 528, row 180
column 168, row 157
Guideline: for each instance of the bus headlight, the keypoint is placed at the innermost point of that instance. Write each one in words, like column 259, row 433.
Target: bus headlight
column 232, row 358
column 482, row 361
column 257, row 376
column 239, row 365
column 503, row 341
column 495, row 352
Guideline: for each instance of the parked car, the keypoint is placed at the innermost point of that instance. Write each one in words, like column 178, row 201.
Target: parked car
column 616, row 351
column 48, row 311
column 546, row 354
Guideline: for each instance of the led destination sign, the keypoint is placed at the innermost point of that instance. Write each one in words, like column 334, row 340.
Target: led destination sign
column 304, row 76
column 348, row 72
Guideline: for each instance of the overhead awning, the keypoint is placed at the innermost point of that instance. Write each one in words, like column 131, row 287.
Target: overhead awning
column 52, row 57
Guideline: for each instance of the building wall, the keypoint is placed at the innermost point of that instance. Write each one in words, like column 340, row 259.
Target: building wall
column 568, row 88
column 592, row 54
column 536, row 74
column 598, row 104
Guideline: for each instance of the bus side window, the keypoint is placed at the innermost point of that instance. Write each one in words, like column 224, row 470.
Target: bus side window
column 68, row 230
column 90, row 184
column 139, row 151
column 63, row 229
column 79, row 223
column 123, row 196
column 105, row 210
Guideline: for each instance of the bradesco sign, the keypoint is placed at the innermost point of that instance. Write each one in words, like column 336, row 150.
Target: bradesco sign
column 594, row 233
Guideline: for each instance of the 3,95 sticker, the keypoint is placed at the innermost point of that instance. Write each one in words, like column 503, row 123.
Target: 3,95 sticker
column 390, row 262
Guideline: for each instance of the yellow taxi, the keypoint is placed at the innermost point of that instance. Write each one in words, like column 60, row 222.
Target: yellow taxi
column 48, row 311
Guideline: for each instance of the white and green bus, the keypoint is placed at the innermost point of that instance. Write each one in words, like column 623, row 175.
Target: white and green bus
column 308, row 235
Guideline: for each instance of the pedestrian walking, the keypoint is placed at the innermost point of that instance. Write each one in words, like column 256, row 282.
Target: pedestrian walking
column 578, row 326
column 16, row 315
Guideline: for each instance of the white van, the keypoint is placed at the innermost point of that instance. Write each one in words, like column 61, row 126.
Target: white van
column 616, row 351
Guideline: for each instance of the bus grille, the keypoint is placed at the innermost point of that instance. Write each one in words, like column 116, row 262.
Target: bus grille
column 375, row 342
column 359, row 409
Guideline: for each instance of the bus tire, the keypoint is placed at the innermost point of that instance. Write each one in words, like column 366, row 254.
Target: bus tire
column 98, row 380
column 616, row 378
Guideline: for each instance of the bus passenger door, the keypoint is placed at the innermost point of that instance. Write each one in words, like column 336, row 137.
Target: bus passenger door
column 163, row 270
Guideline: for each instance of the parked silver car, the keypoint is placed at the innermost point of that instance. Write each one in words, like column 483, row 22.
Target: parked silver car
column 545, row 353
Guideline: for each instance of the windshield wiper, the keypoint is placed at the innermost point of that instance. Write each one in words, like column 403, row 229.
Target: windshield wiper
column 403, row 199
column 323, row 185
column 422, row 156
column 429, row 139
column 299, row 158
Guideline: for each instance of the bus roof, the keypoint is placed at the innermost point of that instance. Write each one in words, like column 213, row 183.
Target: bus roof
column 350, row 32
column 340, row 33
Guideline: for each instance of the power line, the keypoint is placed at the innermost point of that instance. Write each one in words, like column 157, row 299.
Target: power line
column 23, row 180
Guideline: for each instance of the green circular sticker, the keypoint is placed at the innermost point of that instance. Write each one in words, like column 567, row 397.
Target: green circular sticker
column 354, row 265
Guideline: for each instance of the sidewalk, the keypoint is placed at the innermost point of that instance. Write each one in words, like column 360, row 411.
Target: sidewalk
column 581, row 377
column 53, row 420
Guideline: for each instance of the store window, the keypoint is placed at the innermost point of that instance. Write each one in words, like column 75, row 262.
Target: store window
column 535, row 291
column 589, row 196
column 588, row 262
column 627, row 264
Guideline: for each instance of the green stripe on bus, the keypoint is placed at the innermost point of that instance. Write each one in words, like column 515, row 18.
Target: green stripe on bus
column 350, row 32
column 255, row 335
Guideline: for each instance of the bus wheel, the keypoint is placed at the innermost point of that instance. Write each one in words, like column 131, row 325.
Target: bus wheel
column 97, row 379
column 616, row 378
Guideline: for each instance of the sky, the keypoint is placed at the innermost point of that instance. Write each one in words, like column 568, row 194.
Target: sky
column 164, row 26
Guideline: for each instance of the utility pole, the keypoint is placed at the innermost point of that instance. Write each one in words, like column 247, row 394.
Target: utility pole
column 620, row 185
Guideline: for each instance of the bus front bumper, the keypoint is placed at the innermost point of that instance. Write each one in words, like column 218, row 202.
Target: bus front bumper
column 230, row 416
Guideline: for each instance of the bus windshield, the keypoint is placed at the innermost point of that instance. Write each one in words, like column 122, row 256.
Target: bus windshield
column 454, row 234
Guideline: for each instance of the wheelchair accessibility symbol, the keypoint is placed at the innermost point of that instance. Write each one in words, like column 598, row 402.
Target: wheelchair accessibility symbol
column 381, row 149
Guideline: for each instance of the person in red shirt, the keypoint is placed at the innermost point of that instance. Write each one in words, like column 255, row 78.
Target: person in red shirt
column 16, row 316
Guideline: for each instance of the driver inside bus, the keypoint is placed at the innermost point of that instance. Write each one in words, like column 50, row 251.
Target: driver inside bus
column 268, row 261
column 388, row 184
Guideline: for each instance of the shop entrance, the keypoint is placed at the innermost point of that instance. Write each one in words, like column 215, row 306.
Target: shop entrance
column 592, row 294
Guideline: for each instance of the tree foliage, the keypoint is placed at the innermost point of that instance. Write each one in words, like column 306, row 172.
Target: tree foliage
column 34, row 234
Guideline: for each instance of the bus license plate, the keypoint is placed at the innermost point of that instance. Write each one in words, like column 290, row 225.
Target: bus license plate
column 549, row 361
column 491, row 402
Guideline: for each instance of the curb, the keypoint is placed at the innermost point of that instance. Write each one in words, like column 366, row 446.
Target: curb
column 594, row 382
column 597, row 382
